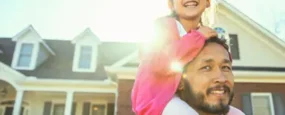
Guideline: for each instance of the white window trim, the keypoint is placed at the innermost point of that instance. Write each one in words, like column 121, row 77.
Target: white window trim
column 76, row 57
column 17, row 55
column 97, row 103
column 270, row 100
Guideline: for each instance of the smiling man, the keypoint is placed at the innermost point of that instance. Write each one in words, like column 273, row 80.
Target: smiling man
column 207, row 83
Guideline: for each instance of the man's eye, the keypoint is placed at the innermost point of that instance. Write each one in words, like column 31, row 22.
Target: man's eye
column 226, row 68
column 206, row 68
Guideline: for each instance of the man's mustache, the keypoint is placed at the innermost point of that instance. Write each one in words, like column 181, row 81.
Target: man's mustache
column 218, row 87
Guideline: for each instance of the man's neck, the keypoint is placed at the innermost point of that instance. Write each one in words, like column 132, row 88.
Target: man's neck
column 189, row 24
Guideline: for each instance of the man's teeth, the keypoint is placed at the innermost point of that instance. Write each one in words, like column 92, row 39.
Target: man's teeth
column 218, row 92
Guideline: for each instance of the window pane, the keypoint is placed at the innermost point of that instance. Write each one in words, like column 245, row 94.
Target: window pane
column 58, row 109
column 25, row 55
column 261, row 105
column 24, row 61
column 98, row 109
column 85, row 57
column 234, row 46
column 26, row 48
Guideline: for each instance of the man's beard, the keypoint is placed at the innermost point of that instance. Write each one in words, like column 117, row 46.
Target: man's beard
column 220, row 108
column 197, row 101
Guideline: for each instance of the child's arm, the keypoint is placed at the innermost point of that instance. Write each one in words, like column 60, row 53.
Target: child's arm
column 169, row 47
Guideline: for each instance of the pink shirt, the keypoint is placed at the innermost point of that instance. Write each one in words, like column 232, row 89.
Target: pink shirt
column 155, row 83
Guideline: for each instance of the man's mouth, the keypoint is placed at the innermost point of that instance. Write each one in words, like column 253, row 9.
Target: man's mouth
column 191, row 3
column 219, row 91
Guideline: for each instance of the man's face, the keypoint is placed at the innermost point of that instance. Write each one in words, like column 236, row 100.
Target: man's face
column 189, row 9
column 211, row 80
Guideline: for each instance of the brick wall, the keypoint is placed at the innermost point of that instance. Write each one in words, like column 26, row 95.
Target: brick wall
column 124, row 97
column 241, row 88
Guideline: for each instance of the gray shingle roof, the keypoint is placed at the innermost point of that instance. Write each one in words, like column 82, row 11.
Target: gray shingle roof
column 60, row 65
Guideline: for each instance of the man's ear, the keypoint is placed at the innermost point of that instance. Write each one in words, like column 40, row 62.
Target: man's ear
column 208, row 3
column 181, row 85
column 170, row 5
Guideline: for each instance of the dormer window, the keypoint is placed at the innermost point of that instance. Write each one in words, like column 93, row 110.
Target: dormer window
column 86, row 52
column 30, row 50
column 85, row 58
column 25, row 55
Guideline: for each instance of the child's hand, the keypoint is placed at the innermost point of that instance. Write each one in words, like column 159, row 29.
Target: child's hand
column 207, row 32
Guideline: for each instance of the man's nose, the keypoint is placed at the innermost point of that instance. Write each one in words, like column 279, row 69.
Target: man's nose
column 220, row 77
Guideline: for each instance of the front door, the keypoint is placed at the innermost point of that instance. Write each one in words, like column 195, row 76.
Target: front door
column 9, row 111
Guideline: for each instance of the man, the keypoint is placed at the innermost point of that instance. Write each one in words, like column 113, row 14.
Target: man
column 207, row 83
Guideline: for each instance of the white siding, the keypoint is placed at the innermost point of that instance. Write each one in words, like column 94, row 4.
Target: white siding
column 43, row 54
column 253, row 51
column 30, row 36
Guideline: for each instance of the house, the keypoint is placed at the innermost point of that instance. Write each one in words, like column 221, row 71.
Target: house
column 85, row 76
column 259, row 66
column 56, row 77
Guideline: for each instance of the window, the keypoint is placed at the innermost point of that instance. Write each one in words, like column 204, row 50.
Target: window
column 85, row 57
column 234, row 46
column 7, row 107
column 25, row 55
column 58, row 109
column 262, row 104
column 98, row 109
column 94, row 109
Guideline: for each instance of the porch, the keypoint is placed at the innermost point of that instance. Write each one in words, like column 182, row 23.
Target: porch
column 21, row 95
column 66, row 102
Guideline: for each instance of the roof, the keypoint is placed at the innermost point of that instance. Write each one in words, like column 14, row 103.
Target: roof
column 32, row 29
column 115, row 51
column 59, row 66
column 87, row 31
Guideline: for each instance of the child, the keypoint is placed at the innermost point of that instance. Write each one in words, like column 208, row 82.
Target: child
column 156, row 83
column 176, row 36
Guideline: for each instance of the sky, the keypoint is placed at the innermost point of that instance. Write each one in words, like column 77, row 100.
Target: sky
column 113, row 20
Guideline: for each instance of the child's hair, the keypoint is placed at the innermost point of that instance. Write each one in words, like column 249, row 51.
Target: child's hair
column 209, row 15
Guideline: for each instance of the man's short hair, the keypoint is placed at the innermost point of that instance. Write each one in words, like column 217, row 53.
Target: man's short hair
column 220, row 41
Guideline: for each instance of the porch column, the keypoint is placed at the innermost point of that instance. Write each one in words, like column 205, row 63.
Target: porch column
column 18, row 102
column 68, row 103
column 116, row 104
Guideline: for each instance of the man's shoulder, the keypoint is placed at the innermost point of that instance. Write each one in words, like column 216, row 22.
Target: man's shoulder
column 235, row 111
column 178, row 107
